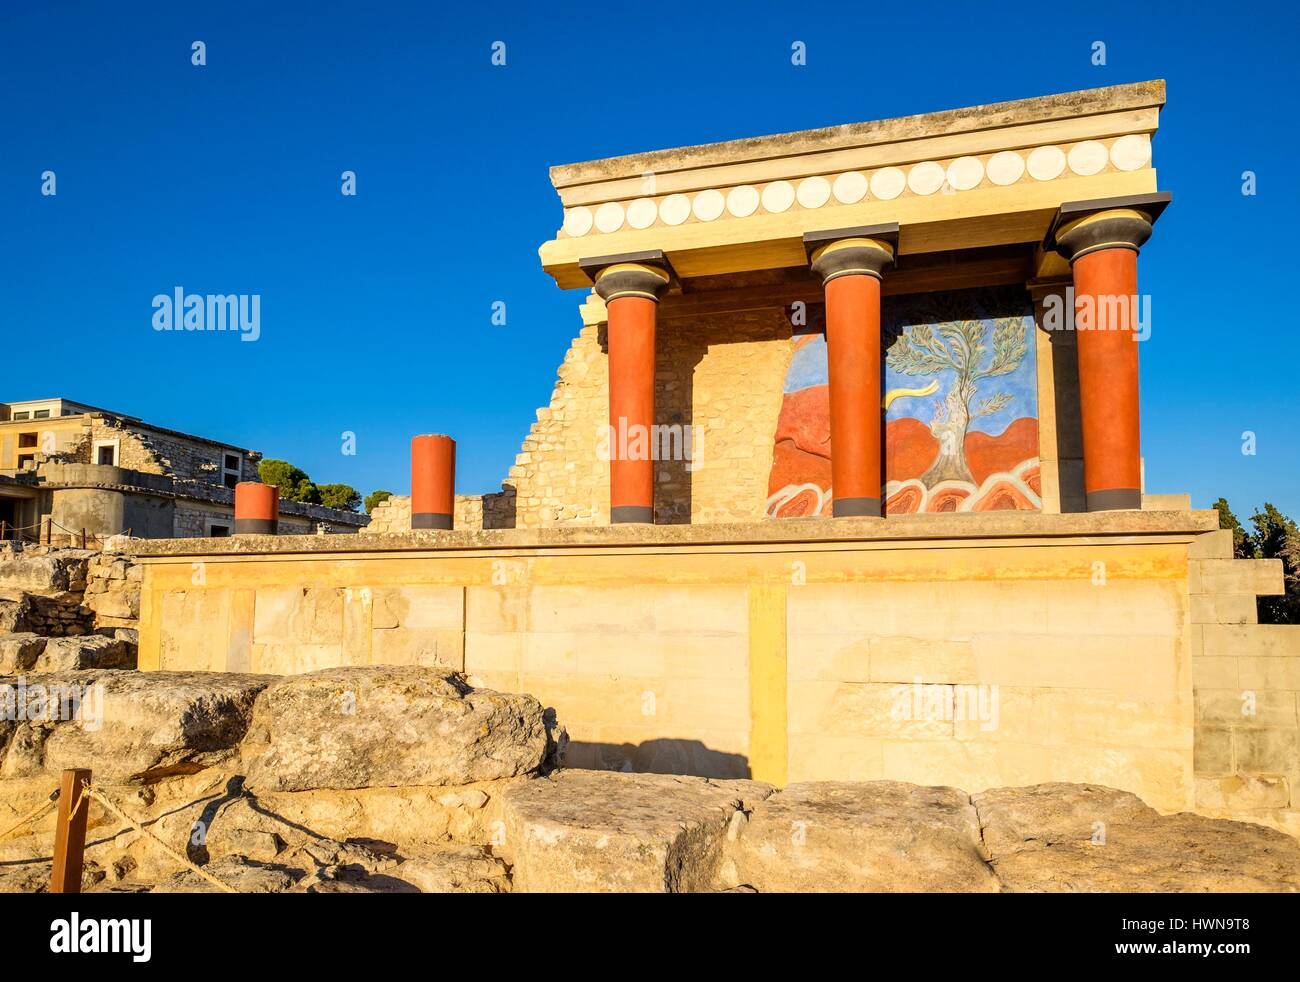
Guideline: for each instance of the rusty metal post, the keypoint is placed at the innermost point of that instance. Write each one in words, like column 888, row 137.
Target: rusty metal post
column 70, row 832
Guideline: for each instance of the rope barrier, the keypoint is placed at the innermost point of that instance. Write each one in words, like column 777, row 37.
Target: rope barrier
column 103, row 799
column 35, row 813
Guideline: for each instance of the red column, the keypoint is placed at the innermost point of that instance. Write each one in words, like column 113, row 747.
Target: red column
column 1101, row 240
column 853, row 356
column 631, row 409
column 257, row 508
column 849, row 262
column 433, row 481
column 1108, row 378
column 630, row 287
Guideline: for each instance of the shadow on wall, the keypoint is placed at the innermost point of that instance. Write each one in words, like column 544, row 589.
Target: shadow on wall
column 659, row 756
column 500, row 509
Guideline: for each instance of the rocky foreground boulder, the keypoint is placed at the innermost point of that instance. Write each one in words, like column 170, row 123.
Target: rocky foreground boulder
column 403, row 779
column 612, row 832
column 125, row 725
column 388, row 726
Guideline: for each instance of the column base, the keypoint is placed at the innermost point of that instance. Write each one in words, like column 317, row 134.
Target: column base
column 632, row 514
column 1115, row 499
column 430, row 520
column 255, row 526
column 855, row 508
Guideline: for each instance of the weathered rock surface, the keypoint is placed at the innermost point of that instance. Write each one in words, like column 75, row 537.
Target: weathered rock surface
column 604, row 831
column 86, row 652
column 468, row 869
column 1082, row 838
column 14, row 617
column 124, row 725
column 881, row 836
column 385, row 726
column 44, row 573
column 18, row 652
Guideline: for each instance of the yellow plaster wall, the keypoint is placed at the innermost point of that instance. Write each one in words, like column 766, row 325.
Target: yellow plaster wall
column 780, row 660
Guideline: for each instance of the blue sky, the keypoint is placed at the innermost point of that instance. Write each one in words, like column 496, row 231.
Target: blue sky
column 376, row 309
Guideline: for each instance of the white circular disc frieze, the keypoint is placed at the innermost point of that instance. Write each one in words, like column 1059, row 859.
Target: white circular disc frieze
column 1131, row 152
column 675, row 209
column 641, row 213
column 850, row 188
column 742, row 201
column 814, row 192
column 1005, row 167
column 888, row 183
column 925, row 177
column 965, row 173
column 577, row 221
column 1046, row 163
column 708, row 205
column 778, row 196
column 609, row 217
column 1087, row 158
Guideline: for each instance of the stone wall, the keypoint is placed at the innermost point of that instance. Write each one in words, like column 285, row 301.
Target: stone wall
column 113, row 590
column 983, row 650
column 1246, row 677
column 557, row 476
column 720, row 374
column 157, row 451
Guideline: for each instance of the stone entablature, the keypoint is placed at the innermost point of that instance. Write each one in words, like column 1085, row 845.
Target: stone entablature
column 981, row 176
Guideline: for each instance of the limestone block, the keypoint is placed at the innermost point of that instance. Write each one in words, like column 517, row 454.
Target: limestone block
column 1214, row 672
column 118, row 604
column 905, row 659
column 1258, row 576
column 1211, row 545
column 89, row 651
column 600, row 831
column 880, row 837
column 1163, row 777
column 48, row 574
column 468, row 869
column 129, row 725
column 1081, row 838
column 827, row 757
column 1212, row 750
column 293, row 658
column 195, row 628
column 1269, row 673
column 385, row 726
column 18, row 652
column 1266, row 751
column 1237, row 792
column 1243, row 706
column 1252, row 640
column 871, row 709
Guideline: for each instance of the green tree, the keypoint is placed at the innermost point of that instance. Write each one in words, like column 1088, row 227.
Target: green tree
column 375, row 498
column 1275, row 536
column 293, row 482
column 343, row 496
column 1242, row 546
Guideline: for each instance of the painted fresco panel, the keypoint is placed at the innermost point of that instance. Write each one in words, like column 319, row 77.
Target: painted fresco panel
column 961, row 408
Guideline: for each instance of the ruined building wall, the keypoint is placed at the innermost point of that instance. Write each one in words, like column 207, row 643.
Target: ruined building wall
column 720, row 373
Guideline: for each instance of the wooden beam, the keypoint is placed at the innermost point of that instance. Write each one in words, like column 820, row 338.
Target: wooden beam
column 951, row 274
column 70, row 832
